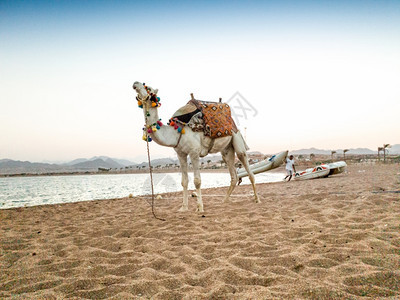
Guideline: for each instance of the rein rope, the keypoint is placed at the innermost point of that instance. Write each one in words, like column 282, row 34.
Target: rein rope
column 152, row 185
column 147, row 138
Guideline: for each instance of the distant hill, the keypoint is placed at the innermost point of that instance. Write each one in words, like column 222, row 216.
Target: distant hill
column 124, row 162
column 76, row 161
column 117, row 163
column 8, row 166
column 158, row 161
column 364, row 151
column 395, row 149
column 4, row 160
column 97, row 163
column 360, row 151
column 309, row 151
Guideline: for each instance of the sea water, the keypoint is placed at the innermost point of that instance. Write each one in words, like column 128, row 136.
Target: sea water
column 30, row 191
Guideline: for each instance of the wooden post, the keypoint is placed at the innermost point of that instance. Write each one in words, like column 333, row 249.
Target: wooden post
column 191, row 95
column 384, row 151
column 379, row 151
column 220, row 100
column 344, row 154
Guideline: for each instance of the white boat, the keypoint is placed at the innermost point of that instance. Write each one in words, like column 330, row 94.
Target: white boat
column 337, row 167
column 265, row 165
column 311, row 173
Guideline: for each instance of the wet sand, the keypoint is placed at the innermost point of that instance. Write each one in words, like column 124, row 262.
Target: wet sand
column 331, row 238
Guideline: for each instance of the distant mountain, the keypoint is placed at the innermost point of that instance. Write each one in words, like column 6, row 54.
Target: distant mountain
column 8, row 166
column 395, row 149
column 4, row 160
column 108, row 163
column 309, row 151
column 158, row 161
column 76, row 161
column 117, row 163
column 255, row 153
column 360, row 151
column 364, row 151
column 124, row 162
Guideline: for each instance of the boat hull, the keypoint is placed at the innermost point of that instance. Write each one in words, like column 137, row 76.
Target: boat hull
column 317, row 172
column 337, row 167
column 273, row 162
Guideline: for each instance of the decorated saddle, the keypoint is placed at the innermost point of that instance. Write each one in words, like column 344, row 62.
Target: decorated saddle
column 213, row 118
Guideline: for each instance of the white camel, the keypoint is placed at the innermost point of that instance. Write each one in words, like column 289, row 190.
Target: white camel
column 194, row 144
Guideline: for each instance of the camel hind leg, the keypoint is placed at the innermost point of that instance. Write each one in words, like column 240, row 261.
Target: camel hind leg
column 229, row 157
column 243, row 158
column 240, row 148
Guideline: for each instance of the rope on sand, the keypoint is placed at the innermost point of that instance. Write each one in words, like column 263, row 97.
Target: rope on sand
column 379, row 192
column 151, row 182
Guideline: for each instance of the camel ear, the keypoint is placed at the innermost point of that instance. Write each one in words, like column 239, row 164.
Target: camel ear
column 156, row 91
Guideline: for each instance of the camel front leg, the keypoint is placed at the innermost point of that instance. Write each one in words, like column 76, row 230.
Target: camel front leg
column 185, row 181
column 197, row 182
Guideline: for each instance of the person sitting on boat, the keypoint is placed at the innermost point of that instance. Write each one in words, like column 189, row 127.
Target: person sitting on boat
column 290, row 169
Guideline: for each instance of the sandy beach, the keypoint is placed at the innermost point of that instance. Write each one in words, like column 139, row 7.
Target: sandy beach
column 331, row 238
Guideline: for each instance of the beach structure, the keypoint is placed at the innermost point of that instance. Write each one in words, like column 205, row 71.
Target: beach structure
column 194, row 131
column 344, row 153
column 385, row 146
column 265, row 165
column 379, row 151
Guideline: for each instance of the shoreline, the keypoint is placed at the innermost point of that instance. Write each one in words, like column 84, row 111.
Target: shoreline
column 221, row 170
column 51, row 190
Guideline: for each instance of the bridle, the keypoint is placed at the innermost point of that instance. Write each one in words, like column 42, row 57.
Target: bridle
column 148, row 95
column 155, row 102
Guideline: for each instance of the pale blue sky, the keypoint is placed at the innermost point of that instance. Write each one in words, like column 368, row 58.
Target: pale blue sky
column 321, row 74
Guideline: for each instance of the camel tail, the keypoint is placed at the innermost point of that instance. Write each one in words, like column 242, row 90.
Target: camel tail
column 239, row 144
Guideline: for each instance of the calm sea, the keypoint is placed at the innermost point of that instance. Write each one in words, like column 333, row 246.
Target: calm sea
column 30, row 191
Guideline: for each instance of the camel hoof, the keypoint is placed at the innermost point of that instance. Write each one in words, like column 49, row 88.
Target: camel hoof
column 258, row 200
column 199, row 208
column 183, row 209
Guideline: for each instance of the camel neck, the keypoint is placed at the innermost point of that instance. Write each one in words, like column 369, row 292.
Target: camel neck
column 165, row 136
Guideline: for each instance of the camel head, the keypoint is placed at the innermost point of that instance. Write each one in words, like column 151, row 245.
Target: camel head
column 146, row 96
column 143, row 91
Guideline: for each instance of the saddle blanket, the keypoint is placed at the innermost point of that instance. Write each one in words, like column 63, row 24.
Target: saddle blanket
column 217, row 117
